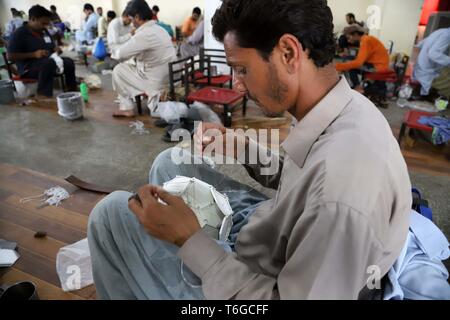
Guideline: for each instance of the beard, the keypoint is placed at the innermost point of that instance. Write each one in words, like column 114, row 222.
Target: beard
column 277, row 91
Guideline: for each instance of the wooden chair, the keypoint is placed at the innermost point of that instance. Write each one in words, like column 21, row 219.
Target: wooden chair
column 212, row 95
column 211, row 57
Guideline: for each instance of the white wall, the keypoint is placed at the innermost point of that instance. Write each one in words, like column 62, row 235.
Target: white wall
column 399, row 23
column 341, row 7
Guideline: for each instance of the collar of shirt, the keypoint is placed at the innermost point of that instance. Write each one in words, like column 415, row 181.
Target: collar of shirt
column 301, row 139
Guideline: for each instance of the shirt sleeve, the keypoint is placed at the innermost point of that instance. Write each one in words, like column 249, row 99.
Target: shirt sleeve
column 132, row 47
column 363, row 54
column 91, row 23
column 438, row 51
column 327, row 256
column 266, row 169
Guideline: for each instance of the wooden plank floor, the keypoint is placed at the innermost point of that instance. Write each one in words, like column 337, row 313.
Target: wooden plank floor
column 19, row 222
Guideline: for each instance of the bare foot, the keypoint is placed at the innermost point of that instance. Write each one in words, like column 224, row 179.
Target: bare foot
column 122, row 113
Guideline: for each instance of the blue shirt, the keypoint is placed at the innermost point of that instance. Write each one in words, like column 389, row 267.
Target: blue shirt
column 12, row 26
column 87, row 30
column 433, row 57
column 24, row 40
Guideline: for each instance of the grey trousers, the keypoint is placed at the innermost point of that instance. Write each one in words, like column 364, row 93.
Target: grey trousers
column 128, row 263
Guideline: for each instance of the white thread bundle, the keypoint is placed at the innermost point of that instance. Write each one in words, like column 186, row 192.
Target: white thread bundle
column 52, row 196
column 138, row 128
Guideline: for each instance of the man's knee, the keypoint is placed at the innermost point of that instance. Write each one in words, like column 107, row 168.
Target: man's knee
column 164, row 160
column 106, row 210
column 118, row 71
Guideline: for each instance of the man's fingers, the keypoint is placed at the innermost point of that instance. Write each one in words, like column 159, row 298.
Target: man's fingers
column 167, row 197
column 147, row 196
column 136, row 208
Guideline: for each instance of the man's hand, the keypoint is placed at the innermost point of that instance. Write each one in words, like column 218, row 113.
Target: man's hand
column 133, row 31
column 207, row 133
column 173, row 222
column 39, row 54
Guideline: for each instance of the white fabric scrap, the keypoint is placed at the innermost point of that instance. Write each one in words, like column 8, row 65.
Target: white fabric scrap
column 138, row 128
column 52, row 197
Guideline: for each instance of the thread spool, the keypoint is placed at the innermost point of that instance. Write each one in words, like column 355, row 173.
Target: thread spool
column 70, row 105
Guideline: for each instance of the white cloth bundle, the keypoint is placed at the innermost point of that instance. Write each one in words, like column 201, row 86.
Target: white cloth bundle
column 59, row 63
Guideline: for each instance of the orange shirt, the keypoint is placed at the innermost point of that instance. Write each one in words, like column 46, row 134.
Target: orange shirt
column 188, row 27
column 371, row 51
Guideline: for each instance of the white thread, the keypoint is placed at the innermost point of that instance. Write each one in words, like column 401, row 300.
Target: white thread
column 185, row 280
column 52, row 196
column 138, row 128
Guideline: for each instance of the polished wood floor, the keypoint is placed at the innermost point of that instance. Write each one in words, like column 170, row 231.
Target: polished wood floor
column 19, row 222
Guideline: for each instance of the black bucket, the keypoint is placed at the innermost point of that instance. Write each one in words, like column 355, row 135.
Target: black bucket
column 7, row 92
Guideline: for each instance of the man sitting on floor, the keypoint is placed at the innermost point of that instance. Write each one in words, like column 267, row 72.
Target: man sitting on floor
column 432, row 68
column 87, row 33
column 343, row 193
column 30, row 48
column 119, row 31
column 372, row 54
column 152, row 49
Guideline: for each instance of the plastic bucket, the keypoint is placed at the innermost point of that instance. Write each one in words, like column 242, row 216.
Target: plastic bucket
column 70, row 105
column 6, row 92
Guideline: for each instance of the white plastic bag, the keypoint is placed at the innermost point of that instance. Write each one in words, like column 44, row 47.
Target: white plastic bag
column 205, row 112
column 25, row 90
column 73, row 265
column 59, row 63
column 93, row 81
column 171, row 111
column 405, row 91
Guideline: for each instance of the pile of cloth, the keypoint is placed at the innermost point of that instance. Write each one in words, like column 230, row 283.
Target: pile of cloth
column 441, row 128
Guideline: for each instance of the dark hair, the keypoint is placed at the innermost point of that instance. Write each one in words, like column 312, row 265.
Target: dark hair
column 155, row 8
column 38, row 11
column 140, row 8
column 15, row 12
column 88, row 6
column 360, row 33
column 111, row 14
column 351, row 15
column 52, row 7
column 259, row 24
column 197, row 11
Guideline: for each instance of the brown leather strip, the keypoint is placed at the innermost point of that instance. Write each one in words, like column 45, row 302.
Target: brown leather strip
column 88, row 186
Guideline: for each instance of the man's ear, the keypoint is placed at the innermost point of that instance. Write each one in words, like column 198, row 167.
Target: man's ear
column 291, row 51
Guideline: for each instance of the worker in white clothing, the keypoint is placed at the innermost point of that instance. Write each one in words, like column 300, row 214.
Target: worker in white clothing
column 152, row 49
column 119, row 31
